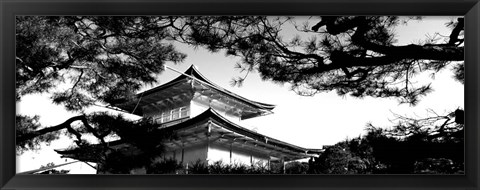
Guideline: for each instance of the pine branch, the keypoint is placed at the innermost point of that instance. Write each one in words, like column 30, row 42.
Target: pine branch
column 64, row 125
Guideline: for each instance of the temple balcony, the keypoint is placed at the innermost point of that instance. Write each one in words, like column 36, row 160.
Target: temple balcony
column 173, row 116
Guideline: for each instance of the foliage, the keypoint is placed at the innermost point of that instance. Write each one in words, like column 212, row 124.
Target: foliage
column 26, row 125
column 104, row 60
column 198, row 167
column 355, row 55
column 140, row 142
column 165, row 166
column 87, row 60
column 348, row 157
column 419, row 147
column 52, row 171
column 438, row 166
column 219, row 167
column 296, row 167
column 276, row 167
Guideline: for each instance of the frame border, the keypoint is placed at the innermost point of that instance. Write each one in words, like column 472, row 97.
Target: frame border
column 10, row 8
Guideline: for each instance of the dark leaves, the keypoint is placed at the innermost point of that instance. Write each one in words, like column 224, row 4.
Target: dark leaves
column 125, row 52
column 26, row 125
column 314, row 66
column 406, row 148
column 459, row 72
column 73, row 101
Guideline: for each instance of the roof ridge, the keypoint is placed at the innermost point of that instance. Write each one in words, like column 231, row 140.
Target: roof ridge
column 203, row 78
column 213, row 111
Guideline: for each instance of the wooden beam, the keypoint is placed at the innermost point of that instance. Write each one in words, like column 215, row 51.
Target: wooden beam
column 177, row 144
column 185, row 97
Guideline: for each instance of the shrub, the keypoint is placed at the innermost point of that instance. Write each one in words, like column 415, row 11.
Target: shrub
column 166, row 166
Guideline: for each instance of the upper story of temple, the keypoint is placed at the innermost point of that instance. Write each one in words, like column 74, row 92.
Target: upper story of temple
column 189, row 95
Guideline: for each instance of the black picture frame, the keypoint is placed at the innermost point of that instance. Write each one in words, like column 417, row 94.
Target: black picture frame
column 10, row 8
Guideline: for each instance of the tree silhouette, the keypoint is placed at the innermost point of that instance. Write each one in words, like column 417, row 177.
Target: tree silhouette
column 83, row 61
column 107, row 59
column 52, row 171
column 354, row 55
column 431, row 145
column 101, row 59
column 87, row 60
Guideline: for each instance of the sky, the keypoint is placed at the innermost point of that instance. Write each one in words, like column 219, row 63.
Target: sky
column 309, row 122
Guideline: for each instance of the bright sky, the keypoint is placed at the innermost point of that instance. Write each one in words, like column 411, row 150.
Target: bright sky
column 310, row 122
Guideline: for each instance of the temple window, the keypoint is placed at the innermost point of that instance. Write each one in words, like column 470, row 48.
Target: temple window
column 173, row 114
column 184, row 112
column 165, row 117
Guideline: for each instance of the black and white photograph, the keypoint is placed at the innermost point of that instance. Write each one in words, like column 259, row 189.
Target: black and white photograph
column 268, row 95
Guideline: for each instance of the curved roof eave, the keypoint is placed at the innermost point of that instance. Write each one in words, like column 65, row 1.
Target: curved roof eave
column 210, row 113
column 192, row 71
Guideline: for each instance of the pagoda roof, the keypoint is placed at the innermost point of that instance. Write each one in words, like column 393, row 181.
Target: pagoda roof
column 234, row 130
column 193, row 74
column 212, row 126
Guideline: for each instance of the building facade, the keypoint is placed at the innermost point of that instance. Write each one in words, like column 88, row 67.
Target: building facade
column 206, row 120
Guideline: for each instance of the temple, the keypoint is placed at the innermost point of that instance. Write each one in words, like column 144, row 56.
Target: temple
column 205, row 118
